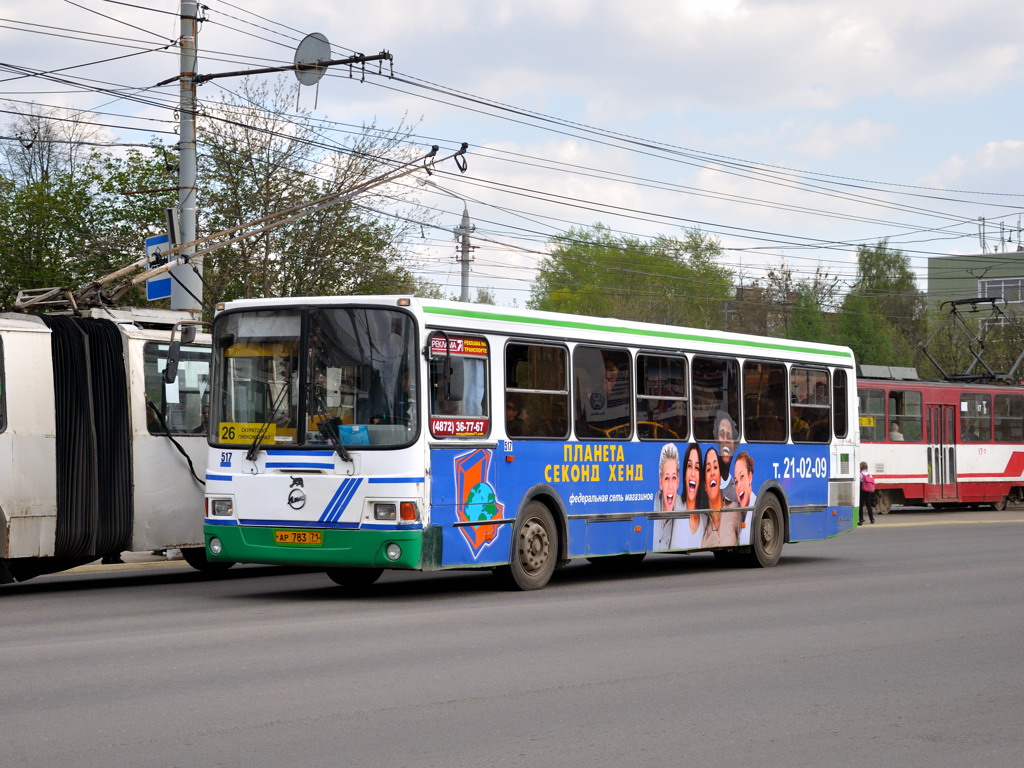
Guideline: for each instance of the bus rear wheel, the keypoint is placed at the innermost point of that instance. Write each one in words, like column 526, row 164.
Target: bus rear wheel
column 354, row 577
column 534, row 550
column 767, row 534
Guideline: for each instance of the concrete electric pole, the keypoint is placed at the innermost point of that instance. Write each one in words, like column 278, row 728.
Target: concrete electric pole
column 462, row 233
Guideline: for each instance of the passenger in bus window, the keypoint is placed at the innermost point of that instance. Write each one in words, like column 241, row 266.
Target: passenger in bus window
column 722, row 524
column 667, row 498
column 727, row 436
column 894, row 432
column 515, row 419
column 204, row 426
column 743, row 476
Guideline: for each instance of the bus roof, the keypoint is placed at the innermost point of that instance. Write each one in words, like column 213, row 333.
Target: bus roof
column 561, row 326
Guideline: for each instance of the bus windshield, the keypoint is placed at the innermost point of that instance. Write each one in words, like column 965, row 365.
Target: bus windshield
column 307, row 377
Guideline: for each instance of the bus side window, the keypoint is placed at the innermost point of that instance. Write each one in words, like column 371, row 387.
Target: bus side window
column 840, row 415
column 662, row 406
column 810, row 411
column 536, row 391
column 764, row 402
column 603, row 399
column 715, row 387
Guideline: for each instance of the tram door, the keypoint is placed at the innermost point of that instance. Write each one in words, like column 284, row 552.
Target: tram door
column 941, row 453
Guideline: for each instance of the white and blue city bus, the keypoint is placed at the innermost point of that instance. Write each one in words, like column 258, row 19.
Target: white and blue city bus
column 357, row 434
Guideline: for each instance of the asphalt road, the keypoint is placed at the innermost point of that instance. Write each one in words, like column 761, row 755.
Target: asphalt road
column 898, row 644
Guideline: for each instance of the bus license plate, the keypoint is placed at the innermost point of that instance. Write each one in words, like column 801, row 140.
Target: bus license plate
column 299, row 538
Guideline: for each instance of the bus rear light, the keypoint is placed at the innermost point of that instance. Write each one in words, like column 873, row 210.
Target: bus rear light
column 384, row 512
column 410, row 513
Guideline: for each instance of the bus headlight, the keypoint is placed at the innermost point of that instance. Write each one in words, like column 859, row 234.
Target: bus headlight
column 215, row 546
column 385, row 512
column 393, row 551
column 222, row 507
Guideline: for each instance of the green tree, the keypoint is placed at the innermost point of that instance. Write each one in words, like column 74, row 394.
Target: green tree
column 782, row 306
column 260, row 159
column 66, row 213
column 883, row 315
column 665, row 280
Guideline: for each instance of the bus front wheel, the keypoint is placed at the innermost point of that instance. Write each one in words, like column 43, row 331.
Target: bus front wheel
column 534, row 549
column 767, row 534
column 196, row 557
column 354, row 577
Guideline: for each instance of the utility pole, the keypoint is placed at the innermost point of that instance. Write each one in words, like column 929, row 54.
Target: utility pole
column 186, row 282
column 462, row 233
column 311, row 61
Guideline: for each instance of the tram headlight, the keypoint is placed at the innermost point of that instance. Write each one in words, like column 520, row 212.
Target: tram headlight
column 385, row 512
column 215, row 546
column 392, row 551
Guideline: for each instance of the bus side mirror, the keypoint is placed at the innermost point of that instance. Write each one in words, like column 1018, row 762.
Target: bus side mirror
column 455, row 381
column 186, row 335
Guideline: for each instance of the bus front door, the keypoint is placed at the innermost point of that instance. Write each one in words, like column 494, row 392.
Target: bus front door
column 941, row 454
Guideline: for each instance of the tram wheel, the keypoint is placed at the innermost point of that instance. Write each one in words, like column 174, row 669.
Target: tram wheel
column 767, row 534
column 883, row 503
column 534, row 550
column 354, row 577
column 196, row 557
column 1000, row 506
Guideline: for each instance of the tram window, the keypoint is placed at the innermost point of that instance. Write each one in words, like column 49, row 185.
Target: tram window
column 183, row 405
column 536, row 391
column 975, row 417
column 602, row 399
column 904, row 422
column 715, row 387
column 1009, row 418
column 809, row 409
column 872, row 415
column 764, row 402
column 662, row 407
column 840, row 416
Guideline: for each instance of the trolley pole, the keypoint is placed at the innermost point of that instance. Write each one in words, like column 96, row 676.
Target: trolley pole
column 186, row 282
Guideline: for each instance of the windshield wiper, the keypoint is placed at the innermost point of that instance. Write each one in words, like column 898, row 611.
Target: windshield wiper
column 257, row 442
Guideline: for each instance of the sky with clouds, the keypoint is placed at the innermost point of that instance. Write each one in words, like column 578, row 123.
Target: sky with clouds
column 792, row 131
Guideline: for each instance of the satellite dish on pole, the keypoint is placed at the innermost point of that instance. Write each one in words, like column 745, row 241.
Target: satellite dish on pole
column 313, row 49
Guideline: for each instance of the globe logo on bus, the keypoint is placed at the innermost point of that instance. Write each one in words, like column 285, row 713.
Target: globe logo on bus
column 481, row 503
column 476, row 500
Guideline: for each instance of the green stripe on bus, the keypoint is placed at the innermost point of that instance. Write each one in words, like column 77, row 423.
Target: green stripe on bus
column 674, row 335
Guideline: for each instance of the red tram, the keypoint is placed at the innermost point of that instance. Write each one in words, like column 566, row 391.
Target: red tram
column 947, row 444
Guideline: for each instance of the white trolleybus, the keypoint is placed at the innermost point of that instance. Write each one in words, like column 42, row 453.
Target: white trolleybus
column 101, row 424
column 359, row 434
